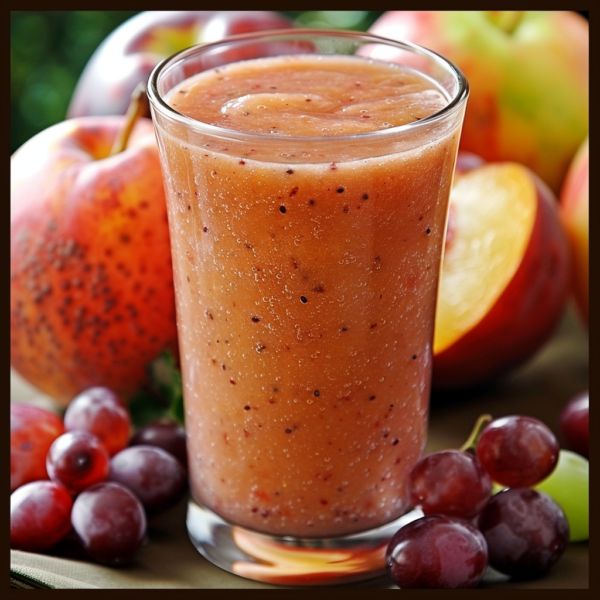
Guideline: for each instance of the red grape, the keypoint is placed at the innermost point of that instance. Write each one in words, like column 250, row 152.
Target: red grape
column 110, row 522
column 449, row 482
column 101, row 412
column 78, row 460
column 155, row 476
column 526, row 532
column 518, row 451
column 437, row 552
column 166, row 434
column 32, row 431
column 575, row 424
column 40, row 515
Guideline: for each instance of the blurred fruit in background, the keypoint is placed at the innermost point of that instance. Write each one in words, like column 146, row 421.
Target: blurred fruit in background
column 50, row 49
column 575, row 213
column 528, row 73
column 130, row 53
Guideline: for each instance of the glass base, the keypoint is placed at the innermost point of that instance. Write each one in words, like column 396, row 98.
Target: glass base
column 288, row 560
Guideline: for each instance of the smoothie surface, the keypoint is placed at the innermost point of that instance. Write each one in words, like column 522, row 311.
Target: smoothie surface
column 347, row 95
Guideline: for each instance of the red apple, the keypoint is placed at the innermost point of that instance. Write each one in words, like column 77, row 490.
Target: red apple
column 528, row 77
column 505, row 275
column 575, row 213
column 92, row 299
column 130, row 53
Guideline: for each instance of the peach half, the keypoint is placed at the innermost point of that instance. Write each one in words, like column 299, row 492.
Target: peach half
column 505, row 275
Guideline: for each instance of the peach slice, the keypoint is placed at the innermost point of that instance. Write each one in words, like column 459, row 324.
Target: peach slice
column 505, row 275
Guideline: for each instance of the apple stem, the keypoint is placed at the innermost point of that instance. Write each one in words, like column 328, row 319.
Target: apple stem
column 471, row 443
column 507, row 20
column 135, row 110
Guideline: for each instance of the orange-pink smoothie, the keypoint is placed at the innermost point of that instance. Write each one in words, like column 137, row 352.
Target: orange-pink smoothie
column 306, row 284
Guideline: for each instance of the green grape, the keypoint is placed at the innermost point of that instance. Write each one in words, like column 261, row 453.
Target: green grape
column 569, row 486
column 496, row 487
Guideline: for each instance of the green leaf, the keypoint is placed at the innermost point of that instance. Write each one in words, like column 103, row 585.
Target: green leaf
column 164, row 398
column 166, row 380
column 146, row 407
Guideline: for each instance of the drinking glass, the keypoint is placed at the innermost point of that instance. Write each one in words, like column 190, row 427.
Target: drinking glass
column 306, row 274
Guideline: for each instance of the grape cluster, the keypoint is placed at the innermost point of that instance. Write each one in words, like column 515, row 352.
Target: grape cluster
column 87, row 474
column 519, row 531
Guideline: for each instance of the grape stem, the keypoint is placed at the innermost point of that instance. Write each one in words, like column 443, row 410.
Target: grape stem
column 136, row 109
column 471, row 443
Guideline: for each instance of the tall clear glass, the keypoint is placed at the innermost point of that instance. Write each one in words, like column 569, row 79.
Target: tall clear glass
column 306, row 273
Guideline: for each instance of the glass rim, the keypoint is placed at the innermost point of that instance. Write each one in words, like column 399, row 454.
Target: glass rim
column 157, row 102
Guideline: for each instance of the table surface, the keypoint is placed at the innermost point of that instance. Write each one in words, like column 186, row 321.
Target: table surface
column 540, row 389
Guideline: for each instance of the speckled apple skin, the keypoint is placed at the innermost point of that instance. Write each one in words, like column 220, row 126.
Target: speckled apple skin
column 92, row 299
